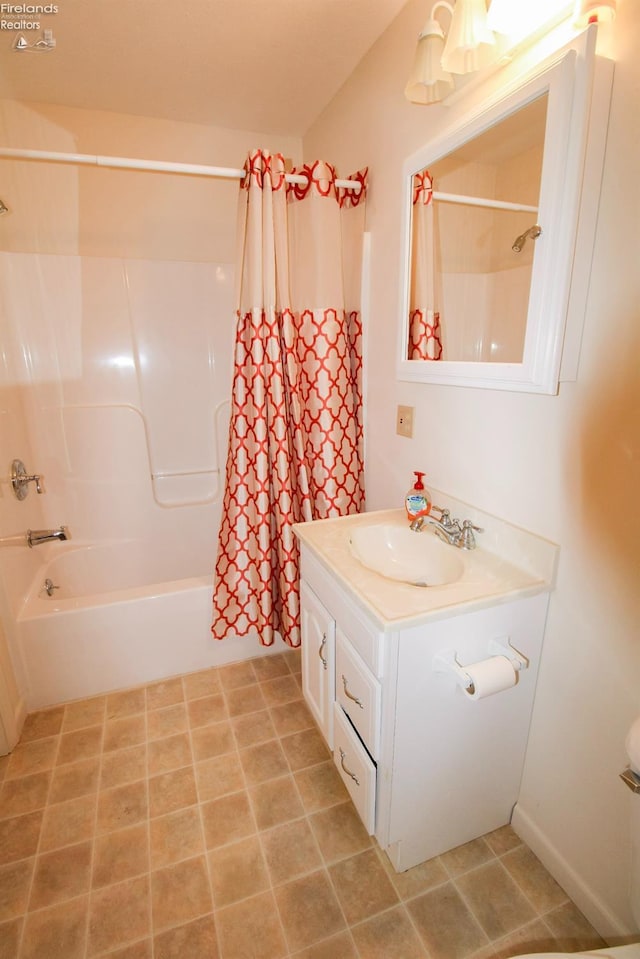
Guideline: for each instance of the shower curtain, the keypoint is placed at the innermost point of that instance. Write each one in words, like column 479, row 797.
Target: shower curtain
column 296, row 431
column 425, row 339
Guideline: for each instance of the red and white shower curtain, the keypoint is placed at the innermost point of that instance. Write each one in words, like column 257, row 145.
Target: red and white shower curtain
column 425, row 335
column 296, row 430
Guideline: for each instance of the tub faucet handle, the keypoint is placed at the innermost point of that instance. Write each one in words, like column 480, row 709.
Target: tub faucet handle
column 20, row 480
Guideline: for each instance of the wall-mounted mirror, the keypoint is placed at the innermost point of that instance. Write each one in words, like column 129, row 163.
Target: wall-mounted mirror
column 490, row 212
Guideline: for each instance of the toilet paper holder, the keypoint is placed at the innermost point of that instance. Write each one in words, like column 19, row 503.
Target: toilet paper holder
column 446, row 661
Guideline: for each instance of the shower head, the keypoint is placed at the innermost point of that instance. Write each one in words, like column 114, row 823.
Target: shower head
column 3, row 209
column 533, row 231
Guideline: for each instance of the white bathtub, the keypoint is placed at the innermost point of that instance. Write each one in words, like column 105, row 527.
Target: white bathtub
column 116, row 622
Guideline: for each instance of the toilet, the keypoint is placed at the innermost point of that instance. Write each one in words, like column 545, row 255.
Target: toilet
column 632, row 950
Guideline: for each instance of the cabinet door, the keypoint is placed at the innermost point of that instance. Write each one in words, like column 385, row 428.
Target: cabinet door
column 318, row 659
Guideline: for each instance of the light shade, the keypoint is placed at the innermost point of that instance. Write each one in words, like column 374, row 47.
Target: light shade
column 588, row 11
column 469, row 40
column 520, row 18
column 428, row 81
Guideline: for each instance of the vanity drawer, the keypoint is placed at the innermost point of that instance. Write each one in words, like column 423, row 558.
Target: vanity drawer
column 358, row 692
column 357, row 771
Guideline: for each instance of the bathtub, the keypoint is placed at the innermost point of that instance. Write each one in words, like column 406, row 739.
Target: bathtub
column 117, row 619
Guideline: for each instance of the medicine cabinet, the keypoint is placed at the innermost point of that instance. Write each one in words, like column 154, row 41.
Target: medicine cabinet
column 499, row 213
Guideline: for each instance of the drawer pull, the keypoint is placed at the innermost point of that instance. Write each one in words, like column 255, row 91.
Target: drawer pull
column 350, row 695
column 348, row 771
column 321, row 650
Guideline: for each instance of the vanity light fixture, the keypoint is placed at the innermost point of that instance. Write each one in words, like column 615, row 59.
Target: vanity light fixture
column 593, row 11
column 469, row 41
column 518, row 19
column 429, row 82
column 465, row 47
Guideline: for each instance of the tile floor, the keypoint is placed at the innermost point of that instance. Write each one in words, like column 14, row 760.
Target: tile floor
column 202, row 818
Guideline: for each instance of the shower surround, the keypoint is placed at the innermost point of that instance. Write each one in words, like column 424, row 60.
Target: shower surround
column 117, row 317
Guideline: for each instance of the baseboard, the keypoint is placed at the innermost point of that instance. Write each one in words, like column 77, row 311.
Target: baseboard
column 610, row 926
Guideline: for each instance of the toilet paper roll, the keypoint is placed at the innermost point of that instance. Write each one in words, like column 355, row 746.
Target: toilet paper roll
column 490, row 676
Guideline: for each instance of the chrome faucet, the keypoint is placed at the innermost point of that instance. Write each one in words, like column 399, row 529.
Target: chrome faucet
column 449, row 530
column 37, row 536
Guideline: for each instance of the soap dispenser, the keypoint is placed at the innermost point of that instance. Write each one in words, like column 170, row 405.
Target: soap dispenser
column 417, row 500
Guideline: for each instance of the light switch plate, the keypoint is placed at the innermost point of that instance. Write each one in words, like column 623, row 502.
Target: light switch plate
column 404, row 421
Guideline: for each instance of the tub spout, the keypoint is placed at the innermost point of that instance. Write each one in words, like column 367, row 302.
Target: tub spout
column 37, row 536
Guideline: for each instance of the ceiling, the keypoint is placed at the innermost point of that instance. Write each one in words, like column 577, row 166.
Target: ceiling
column 259, row 65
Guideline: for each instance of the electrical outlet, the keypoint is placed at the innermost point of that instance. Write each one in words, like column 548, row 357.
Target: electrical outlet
column 404, row 421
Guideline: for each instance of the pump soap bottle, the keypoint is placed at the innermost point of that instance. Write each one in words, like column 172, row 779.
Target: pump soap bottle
column 417, row 500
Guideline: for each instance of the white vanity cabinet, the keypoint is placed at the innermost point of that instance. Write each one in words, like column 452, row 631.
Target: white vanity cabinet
column 427, row 767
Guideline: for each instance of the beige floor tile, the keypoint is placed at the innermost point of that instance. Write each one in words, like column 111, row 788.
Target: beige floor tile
column 270, row 667
column 19, row 837
column 122, row 733
column 534, row 937
column 10, row 933
column 166, row 693
column 69, row 822
column 81, row 744
column 163, row 755
column 251, row 930
column 309, row 910
column 387, row 935
column 30, row 758
column 119, row 915
column 303, row 749
column 15, row 879
column 253, row 728
column 468, row 856
column 195, row 940
column 291, row 718
column 572, row 931
column 337, row 947
column 58, row 932
column 86, row 712
column 120, row 855
column 237, row 871
column 495, row 900
column 175, row 837
column 279, row 691
column 172, row 791
column 445, row 925
column 205, row 683
column 246, row 699
column 502, row 840
column 219, row 776
column 227, row 819
column 276, row 802
column 418, row 879
column 77, row 779
column 203, row 712
column 167, row 722
column 122, row 806
column 362, row 886
column 290, row 851
column 339, row 832
column 237, row 674
column 138, row 950
column 127, row 703
column 320, row 787
column 263, row 762
column 60, row 875
column 540, row 888
column 180, row 893
column 41, row 725
column 25, row 795
column 214, row 740
column 123, row 766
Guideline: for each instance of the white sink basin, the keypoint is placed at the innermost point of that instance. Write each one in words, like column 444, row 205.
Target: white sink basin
column 399, row 553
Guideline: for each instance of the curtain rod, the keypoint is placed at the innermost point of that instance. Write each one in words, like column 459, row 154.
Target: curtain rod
column 156, row 166
column 481, row 201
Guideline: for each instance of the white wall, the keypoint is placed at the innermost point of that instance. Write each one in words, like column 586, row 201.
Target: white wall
column 566, row 467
